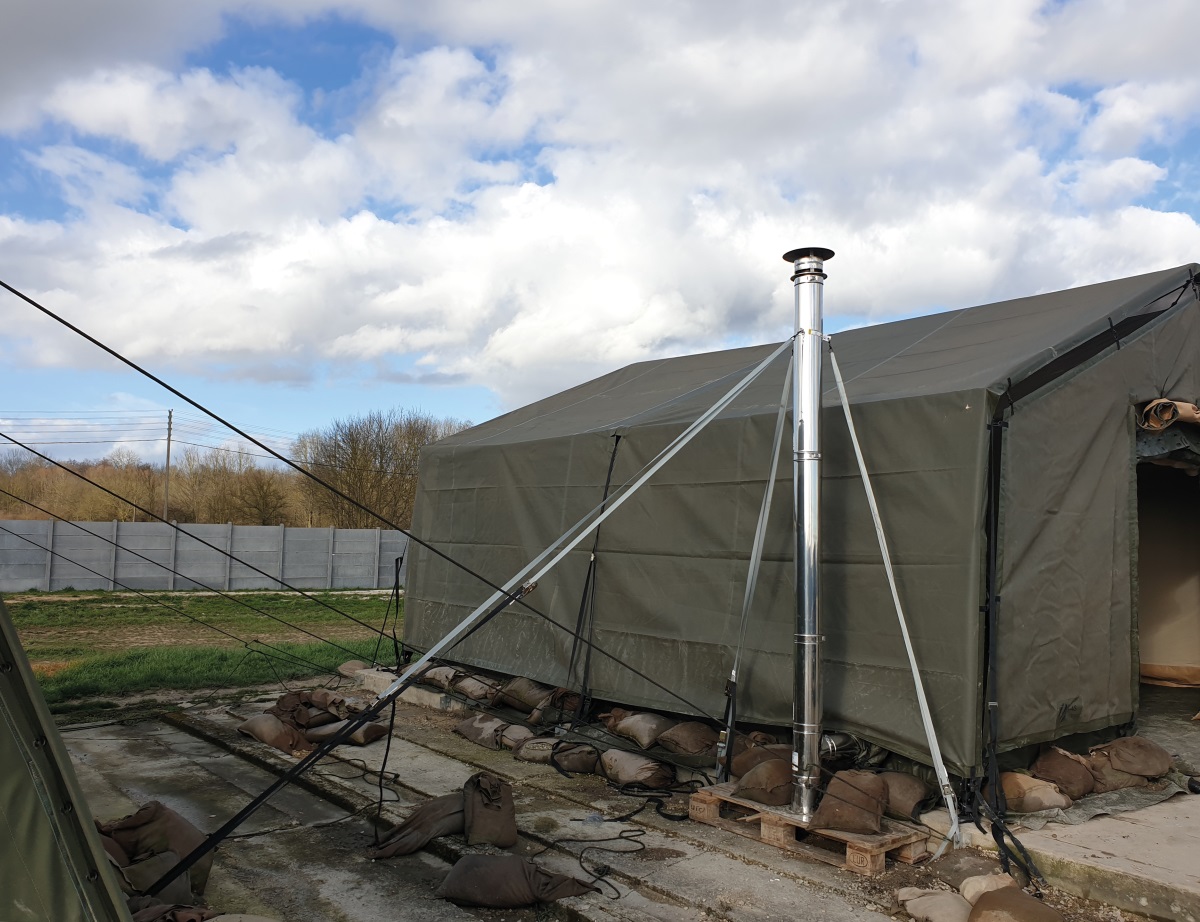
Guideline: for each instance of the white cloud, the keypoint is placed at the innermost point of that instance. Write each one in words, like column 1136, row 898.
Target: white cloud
column 542, row 192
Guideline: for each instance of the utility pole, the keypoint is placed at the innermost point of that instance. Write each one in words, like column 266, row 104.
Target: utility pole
column 167, row 483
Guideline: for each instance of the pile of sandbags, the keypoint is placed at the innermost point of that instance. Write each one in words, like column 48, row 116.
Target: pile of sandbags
column 1058, row 777
column 300, row 721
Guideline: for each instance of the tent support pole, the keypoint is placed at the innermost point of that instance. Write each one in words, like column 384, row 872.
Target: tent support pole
column 808, row 279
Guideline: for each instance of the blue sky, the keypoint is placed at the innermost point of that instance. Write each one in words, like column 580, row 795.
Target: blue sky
column 299, row 211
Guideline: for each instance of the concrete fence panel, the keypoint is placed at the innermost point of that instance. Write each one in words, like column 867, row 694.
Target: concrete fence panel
column 140, row 555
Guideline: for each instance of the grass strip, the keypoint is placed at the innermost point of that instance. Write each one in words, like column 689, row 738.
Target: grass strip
column 189, row 667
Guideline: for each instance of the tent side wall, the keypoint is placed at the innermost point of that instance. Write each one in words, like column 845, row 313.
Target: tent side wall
column 671, row 565
column 52, row 865
column 1067, row 654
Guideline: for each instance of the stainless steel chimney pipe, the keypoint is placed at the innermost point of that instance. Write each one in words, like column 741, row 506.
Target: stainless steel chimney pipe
column 808, row 277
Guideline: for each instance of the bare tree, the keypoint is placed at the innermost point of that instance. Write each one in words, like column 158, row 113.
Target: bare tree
column 373, row 460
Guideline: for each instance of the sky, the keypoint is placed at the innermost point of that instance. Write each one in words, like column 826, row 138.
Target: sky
column 295, row 211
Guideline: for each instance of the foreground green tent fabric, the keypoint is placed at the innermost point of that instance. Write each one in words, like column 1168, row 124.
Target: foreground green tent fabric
column 52, row 865
column 1063, row 371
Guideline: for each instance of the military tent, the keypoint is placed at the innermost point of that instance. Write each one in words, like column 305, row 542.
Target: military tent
column 997, row 436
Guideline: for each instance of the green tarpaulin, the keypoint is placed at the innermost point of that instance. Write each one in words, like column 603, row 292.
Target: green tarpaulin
column 1063, row 370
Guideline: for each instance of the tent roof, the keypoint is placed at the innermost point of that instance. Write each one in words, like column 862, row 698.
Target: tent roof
column 969, row 349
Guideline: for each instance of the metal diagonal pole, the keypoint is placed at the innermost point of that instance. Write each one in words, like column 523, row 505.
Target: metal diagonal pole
column 808, row 278
column 496, row 603
column 935, row 751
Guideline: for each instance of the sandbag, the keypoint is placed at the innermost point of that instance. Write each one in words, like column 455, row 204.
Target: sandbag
column 752, row 756
column 115, row 852
column 514, row 735
column 319, row 718
column 642, row 727
column 1136, row 755
column 690, row 738
column 622, row 767
column 576, row 758
column 489, row 816
column 1026, row 794
column 569, row 757
column 151, row 909
column 269, row 729
column 141, row 875
column 767, row 783
column 560, row 703
column 523, row 694
column 482, row 729
column 1107, row 778
column 1011, row 904
column 506, row 882
column 364, row 735
column 351, row 668
column 475, row 689
column 329, row 701
column 1069, row 773
column 442, row 816
column 906, row 794
column 438, row 676
column 853, row 802
column 155, row 829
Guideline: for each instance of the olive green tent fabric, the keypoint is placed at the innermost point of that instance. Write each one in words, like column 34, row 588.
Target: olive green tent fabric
column 52, row 865
column 671, row 564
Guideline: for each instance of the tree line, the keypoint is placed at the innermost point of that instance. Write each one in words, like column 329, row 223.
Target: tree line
column 370, row 458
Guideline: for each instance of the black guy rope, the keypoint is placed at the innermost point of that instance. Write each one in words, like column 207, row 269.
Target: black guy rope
column 226, row 595
column 283, row 655
column 199, row 540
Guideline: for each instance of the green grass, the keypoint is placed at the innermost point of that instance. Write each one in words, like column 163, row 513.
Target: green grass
column 90, row 646
column 184, row 668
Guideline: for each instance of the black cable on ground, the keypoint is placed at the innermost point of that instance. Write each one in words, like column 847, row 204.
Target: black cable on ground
column 226, row 595
column 282, row 655
column 220, row 550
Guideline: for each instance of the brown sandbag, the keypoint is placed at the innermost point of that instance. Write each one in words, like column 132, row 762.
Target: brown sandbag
column 329, row 701
column 853, row 802
column 753, row 756
column 690, row 738
column 476, row 689
column 506, row 882
column 269, row 729
column 906, row 793
column 1108, row 778
column 483, row 730
column 141, row 875
column 622, row 767
column 523, row 694
column 489, row 816
column 438, row 676
column 115, row 852
column 1026, row 794
column 156, row 828
column 577, row 758
column 643, row 727
column 1070, row 774
column 558, row 704
column 364, row 735
column 1159, row 414
column 150, row 909
column 1137, row 755
column 1011, row 904
column 442, row 816
column 319, row 718
column 767, row 783
column 514, row 735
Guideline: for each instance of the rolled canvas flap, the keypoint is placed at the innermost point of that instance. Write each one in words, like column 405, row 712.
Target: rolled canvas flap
column 1160, row 413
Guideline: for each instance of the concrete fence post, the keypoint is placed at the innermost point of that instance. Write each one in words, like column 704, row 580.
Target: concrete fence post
column 329, row 565
column 375, row 571
column 171, row 559
column 228, row 555
column 49, row 553
column 112, row 563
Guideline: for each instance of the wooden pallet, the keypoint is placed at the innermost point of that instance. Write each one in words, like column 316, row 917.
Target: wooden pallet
column 863, row 854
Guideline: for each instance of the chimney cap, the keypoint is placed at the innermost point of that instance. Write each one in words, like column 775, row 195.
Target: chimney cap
column 817, row 252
